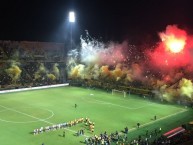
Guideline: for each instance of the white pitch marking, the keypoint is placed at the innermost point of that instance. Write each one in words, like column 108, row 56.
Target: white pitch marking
column 183, row 110
column 36, row 118
column 27, row 121
column 103, row 102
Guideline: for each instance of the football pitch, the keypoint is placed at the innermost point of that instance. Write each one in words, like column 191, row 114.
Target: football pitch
column 22, row 112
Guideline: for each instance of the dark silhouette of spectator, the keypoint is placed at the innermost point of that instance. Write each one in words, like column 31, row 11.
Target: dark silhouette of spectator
column 156, row 132
column 147, row 133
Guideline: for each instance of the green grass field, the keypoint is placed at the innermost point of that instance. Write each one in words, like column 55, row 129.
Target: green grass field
column 22, row 112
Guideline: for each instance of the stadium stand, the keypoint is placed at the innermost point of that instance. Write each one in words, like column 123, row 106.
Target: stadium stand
column 20, row 63
column 27, row 64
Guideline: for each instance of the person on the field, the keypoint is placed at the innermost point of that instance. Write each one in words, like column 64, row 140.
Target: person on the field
column 86, row 141
column 81, row 132
column 47, row 128
column 64, row 134
column 78, row 132
column 138, row 124
column 155, row 117
column 126, row 130
column 35, row 131
column 160, row 129
column 41, row 129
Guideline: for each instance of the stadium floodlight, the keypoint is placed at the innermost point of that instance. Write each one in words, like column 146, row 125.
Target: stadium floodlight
column 71, row 20
column 71, row 17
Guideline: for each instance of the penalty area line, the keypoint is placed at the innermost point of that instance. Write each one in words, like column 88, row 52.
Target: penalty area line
column 39, row 119
column 130, row 108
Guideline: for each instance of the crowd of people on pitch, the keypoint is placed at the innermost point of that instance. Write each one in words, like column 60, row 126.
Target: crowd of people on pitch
column 155, row 137
column 103, row 139
column 58, row 126
column 89, row 123
column 106, row 139
column 146, row 139
column 121, row 138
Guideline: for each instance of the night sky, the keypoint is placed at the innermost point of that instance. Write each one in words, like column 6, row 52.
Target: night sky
column 136, row 21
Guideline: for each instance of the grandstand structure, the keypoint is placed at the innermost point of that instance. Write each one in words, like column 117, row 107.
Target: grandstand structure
column 26, row 57
column 34, row 65
column 109, row 86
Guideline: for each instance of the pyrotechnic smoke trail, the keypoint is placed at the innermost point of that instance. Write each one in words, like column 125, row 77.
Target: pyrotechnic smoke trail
column 95, row 71
column 90, row 50
column 51, row 77
column 93, row 56
column 78, row 71
column 174, row 49
column 14, row 71
column 41, row 72
column 117, row 72
column 186, row 88
column 173, row 58
column 160, row 69
column 56, row 71
column 94, row 51
column 174, row 39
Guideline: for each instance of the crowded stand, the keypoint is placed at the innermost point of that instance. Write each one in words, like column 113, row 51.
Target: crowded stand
column 28, row 64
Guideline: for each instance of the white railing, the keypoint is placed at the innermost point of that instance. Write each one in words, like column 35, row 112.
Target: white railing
column 33, row 88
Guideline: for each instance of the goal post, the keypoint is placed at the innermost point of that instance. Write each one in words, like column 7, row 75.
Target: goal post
column 119, row 92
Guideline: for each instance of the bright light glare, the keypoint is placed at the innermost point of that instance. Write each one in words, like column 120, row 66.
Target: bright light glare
column 176, row 46
column 173, row 44
column 71, row 17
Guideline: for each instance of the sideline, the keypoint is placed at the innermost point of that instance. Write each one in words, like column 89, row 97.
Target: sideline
column 151, row 122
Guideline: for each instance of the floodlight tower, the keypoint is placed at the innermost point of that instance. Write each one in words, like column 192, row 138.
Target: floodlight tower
column 72, row 20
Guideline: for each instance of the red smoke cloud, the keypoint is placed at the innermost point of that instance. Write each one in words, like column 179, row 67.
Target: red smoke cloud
column 113, row 55
column 174, row 49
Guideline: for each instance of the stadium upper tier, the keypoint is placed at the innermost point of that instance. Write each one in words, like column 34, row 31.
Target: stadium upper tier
column 31, row 51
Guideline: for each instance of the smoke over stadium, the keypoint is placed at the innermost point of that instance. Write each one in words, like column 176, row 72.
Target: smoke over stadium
column 14, row 71
column 166, row 68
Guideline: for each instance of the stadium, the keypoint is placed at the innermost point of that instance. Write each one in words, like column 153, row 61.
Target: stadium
column 96, row 72
column 101, row 94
